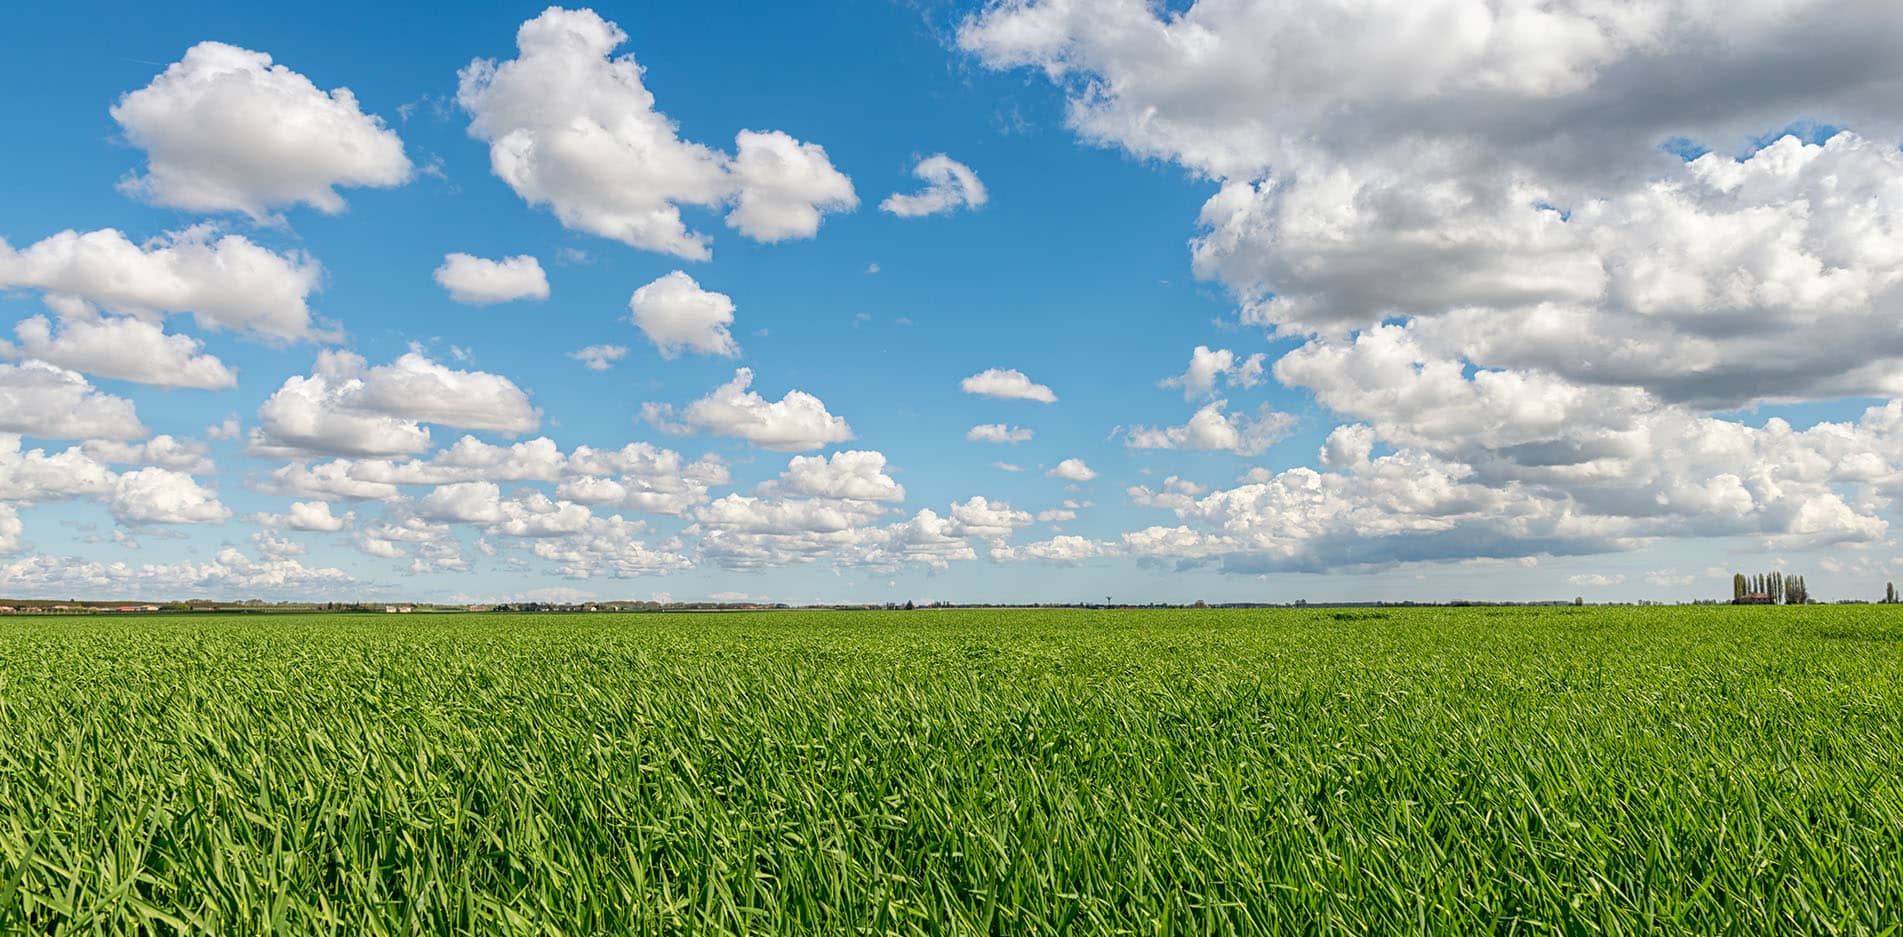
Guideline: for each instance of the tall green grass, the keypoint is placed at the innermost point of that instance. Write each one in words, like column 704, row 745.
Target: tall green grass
column 1563, row 771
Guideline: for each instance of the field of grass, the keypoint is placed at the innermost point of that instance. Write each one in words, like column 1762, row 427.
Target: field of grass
column 1575, row 771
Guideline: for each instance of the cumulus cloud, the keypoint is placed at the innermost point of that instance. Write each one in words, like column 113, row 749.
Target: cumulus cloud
column 1062, row 550
column 600, row 357
column 1207, row 367
column 164, row 451
column 979, row 516
column 309, row 516
column 12, row 532
column 1596, row 579
column 225, row 129
column 463, row 502
column 998, row 432
column 796, row 422
column 317, row 414
column 949, row 186
column 609, row 547
column 224, row 282
column 640, row 477
column 677, row 315
column 230, row 574
column 123, row 348
column 1211, row 429
column 1505, row 276
column 783, row 187
column 32, row 476
column 39, row 399
column 480, row 282
column 163, row 496
column 851, row 475
column 346, row 408
column 572, row 127
column 1072, row 470
column 1009, row 384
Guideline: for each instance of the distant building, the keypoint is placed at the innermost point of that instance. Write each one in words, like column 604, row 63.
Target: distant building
column 1753, row 598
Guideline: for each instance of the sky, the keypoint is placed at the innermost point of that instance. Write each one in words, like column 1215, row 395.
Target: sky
column 1036, row 301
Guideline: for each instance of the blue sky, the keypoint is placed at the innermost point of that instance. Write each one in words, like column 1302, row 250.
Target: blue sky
column 1234, row 211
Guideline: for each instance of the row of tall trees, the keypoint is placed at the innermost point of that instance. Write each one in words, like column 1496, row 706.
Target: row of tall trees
column 1775, row 588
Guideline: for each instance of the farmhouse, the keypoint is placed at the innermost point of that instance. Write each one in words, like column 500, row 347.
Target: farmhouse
column 1753, row 598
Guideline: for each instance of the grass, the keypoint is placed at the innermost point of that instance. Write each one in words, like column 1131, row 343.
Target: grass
column 1556, row 771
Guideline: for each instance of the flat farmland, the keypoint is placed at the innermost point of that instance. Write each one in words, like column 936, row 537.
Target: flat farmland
column 1485, row 770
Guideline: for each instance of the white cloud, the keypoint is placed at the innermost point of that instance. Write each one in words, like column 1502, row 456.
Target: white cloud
column 611, row 547
column 463, row 502
column 274, row 547
column 163, row 496
column 330, row 481
column 979, row 516
column 1207, row 367
column 230, row 574
column 480, row 281
column 124, row 348
column 223, row 281
column 31, row 476
column 851, row 475
column 345, row 408
column 38, row 399
column 784, row 187
column 1007, row 384
column 223, row 129
column 640, row 477
column 600, row 357
column 417, row 388
column 1211, row 429
column 228, row 429
column 1504, row 275
column 949, row 186
column 797, row 421
column 307, row 515
column 998, row 432
column 318, row 414
column 1073, row 470
column 570, row 127
column 427, row 545
column 12, row 532
column 164, row 451
column 1062, row 550
column 1348, row 446
column 676, row 315
column 1595, row 579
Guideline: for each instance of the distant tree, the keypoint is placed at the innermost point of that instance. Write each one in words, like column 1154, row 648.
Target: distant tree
column 1199, row 603
column 1889, row 593
column 908, row 605
column 1579, row 600
column 1738, row 587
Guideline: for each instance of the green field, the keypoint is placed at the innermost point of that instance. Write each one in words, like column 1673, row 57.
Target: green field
column 1623, row 770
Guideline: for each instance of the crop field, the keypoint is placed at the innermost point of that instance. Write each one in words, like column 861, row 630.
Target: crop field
column 1564, row 771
